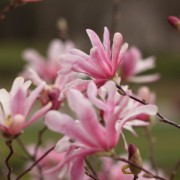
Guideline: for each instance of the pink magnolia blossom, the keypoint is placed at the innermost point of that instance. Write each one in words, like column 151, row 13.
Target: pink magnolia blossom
column 88, row 133
column 133, row 64
column 49, row 161
column 102, row 63
column 46, row 68
column 125, row 106
column 145, row 94
column 55, row 91
column 16, row 106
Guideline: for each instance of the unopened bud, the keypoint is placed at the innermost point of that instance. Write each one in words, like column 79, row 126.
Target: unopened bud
column 51, row 94
column 135, row 158
column 175, row 22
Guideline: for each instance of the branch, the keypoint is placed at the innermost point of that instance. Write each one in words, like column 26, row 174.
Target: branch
column 35, row 163
column 7, row 10
column 11, row 152
column 174, row 171
column 151, row 149
column 89, row 174
column 24, row 149
column 138, row 167
column 91, row 168
column 160, row 116
column 39, row 142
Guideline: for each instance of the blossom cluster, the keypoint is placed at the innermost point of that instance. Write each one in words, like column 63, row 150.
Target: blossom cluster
column 99, row 111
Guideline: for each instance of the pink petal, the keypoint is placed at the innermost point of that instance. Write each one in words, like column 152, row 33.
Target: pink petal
column 78, row 64
column 145, row 64
column 18, row 102
column 117, row 43
column 63, row 123
column 145, row 78
column 99, row 63
column 144, row 109
column 92, row 94
column 32, row 97
column 79, row 53
column 32, row 74
column 18, row 82
column 38, row 114
column 33, row 57
column 87, row 116
column 63, row 144
column 56, row 47
column 5, row 102
column 122, row 52
column 96, row 42
column 77, row 170
column 106, row 42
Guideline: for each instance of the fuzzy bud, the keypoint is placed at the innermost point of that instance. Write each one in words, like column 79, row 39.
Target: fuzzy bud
column 135, row 158
column 175, row 22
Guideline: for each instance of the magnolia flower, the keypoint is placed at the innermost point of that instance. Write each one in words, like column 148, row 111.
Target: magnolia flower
column 130, row 113
column 55, row 91
column 102, row 63
column 46, row 68
column 133, row 64
column 88, row 134
column 145, row 94
column 49, row 161
column 16, row 106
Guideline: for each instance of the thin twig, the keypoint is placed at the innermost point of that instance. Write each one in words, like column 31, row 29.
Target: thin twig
column 175, row 170
column 35, row 163
column 160, row 116
column 24, row 149
column 151, row 149
column 135, row 177
column 11, row 152
column 31, row 157
column 7, row 10
column 115, row 15
column 138, row 167
column 89, row 174
column 9, row 145
column 91, row 168
column 39, row 142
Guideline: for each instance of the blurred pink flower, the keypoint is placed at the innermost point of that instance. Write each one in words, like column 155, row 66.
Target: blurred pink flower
column 174, row 21
column 55, row 91
column 102, row 63
column 46, row 68
column 144, row 93
column 16, row 106
column 88, row 134
column 49, row 161
column 133, row 64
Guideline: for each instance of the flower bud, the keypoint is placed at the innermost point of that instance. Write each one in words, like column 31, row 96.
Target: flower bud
column 135, row 158
column 51, row 94
column 175, row 22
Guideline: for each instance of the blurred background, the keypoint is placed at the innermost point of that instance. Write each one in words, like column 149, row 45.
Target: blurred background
column 143, row 23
